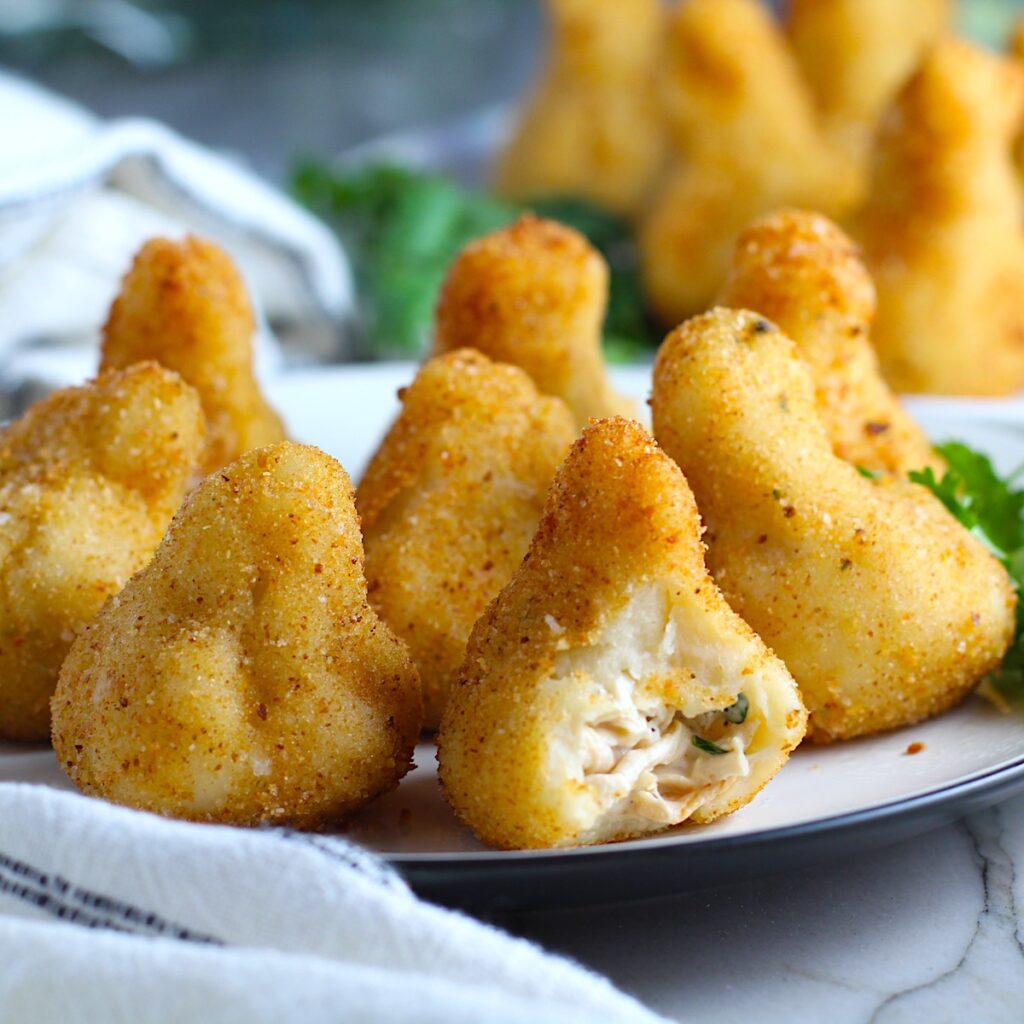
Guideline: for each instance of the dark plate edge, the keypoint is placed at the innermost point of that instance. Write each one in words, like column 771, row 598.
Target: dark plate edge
column 497, row 882
column 850, row 819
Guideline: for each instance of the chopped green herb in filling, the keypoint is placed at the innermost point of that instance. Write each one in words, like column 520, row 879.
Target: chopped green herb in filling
column 737, row 713
column 707, row 746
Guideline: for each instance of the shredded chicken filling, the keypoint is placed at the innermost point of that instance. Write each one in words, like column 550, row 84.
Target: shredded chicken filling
column 634, row 753
column 643, row 764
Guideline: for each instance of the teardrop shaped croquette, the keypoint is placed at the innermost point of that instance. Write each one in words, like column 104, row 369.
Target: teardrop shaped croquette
column 242, row 677
column 609, row 691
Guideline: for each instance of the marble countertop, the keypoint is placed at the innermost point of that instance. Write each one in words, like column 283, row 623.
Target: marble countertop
column 930, row 930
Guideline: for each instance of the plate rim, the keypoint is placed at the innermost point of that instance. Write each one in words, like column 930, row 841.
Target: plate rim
column 975, row 784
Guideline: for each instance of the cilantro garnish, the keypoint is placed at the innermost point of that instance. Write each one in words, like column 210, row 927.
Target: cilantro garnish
column 992, row 508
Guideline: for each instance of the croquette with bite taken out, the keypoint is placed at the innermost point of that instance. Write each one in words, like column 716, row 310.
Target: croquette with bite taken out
column 609, row 691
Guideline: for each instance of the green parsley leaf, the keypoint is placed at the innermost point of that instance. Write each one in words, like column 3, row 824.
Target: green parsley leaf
column 737, row 713
column 707, row 746
column 869, row 473
column 993, row 510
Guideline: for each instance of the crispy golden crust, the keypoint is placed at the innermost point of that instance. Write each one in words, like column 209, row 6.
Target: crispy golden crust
column 805, row 275
column 941, row 230
column 883, row 607
column 619, row 522
column 747, row 142
column 89, row 480
column 594, row 125
column 1016, row 49
column 450, row 502
column 534, row 295
column 1016, row 41
column 855, row 56
column 184, row 305
column 242, row 677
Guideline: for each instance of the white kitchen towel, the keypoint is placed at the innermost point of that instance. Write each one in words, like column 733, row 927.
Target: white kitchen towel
column 78, row 196
column 113, row 915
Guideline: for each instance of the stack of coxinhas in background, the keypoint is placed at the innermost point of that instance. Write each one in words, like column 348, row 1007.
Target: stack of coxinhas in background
column 614, row 632
column 696, row 116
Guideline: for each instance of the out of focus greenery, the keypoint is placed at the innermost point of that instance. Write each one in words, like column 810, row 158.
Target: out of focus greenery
column 402, row 228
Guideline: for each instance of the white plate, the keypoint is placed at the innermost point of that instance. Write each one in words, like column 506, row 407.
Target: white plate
column 826, row 800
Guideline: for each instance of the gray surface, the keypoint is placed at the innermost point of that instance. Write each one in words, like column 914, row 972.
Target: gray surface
column 322, row 91
column 925, row 931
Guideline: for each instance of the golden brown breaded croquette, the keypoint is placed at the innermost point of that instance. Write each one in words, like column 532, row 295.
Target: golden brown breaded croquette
column 534, row 294
column 747, row 141
column 1015, row 44
column 89, row 479
column 941, row 230
column 184, row 304
column 855, row 55
column 594, row 126
column 803, row 273
column 450, row 502
column 609, row 691
column 884, row 608
column 242, row 677
column 1016, row 49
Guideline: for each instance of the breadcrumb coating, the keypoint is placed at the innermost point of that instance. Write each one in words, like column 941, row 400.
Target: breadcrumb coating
column 1015, row 44
column 534, row 294
column 1016, row 51
column 884, row 608
column 941, row 230
column 747, row 141
column 242, row 677
column 855, row 55
column 184, row 305
column 89, row 479
column 804, row 274
column 594, row 125
column 609, row 691
column 450, row 502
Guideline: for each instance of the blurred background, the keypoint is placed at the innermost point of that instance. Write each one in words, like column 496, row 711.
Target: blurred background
column 284, row 88
column 275, row 80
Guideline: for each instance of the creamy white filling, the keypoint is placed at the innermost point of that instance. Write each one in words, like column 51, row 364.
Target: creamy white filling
column 632, row 752
column 644, row 769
